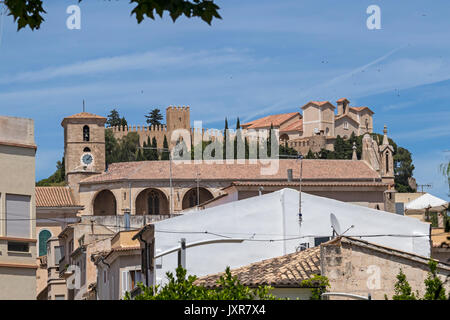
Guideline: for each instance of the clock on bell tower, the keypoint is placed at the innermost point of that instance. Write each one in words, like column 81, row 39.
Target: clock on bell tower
column 84, row 146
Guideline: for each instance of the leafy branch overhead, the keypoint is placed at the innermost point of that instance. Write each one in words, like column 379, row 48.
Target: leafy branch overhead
column 30, row 12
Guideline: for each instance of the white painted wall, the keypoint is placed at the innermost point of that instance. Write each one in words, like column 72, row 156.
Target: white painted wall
column 275, row 216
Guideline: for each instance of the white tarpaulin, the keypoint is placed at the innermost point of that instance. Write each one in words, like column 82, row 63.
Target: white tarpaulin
column 426, row 202
column 270, row 226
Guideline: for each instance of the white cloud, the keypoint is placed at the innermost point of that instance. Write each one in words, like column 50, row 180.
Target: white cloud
column 137, row 61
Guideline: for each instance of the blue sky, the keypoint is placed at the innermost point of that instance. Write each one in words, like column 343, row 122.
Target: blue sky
column 264, row 57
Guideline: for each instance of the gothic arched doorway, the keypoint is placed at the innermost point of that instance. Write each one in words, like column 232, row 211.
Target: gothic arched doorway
column 192, row 198
column 152, row 201
column 105, row 204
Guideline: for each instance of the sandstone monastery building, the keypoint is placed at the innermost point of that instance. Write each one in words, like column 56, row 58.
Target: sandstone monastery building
column 144, row 188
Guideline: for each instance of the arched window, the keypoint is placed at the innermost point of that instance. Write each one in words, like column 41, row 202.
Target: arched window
column 387, row 161
column 193, row 199
column 86, row 134
column 44, row 235
column 153, row 203
column 86, row 149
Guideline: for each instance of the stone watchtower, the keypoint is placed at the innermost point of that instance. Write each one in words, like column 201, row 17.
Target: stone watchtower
column 84, row 147
column 178, row 118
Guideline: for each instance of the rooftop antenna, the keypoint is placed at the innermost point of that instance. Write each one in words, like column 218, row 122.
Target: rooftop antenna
column 84, row 106
column 424, row 185
column 335, row 225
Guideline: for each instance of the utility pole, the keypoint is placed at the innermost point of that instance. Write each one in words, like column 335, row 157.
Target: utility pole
column 198, row 188
column 300, row 217
column 182, row 254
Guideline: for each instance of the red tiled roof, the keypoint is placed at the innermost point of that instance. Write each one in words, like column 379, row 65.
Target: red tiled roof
column 285, row 271
column 266, row 122
column 358, row 109
column 295, row 126
column 307, row 184
column 348, row 115
column 319, row 103
column 342, row 100
column 55, row 197
column 319, row 170
column 85, row 115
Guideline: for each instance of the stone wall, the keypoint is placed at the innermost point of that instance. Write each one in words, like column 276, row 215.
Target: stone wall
column 360, row 269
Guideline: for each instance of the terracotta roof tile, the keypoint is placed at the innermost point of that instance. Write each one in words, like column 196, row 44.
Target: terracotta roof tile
column 315, row 170
column 295, row 126
column 285, row 271
column 55, row 197
column 319, row 103
column 359, row 109
column 85, row 115
column 266, row 122
column 308, row 184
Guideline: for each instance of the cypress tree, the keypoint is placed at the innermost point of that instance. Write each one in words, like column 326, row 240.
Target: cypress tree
column 154, row 154
column 165, row 154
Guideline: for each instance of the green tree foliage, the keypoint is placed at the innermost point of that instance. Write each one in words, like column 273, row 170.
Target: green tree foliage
column 434, row 287
column 226, row 138
column 445, row 170
column 402, row 289
column 124, row 149
column 403, row 169
column 165, row 155
column 111, row 147
column 318, row 285
column 123, row 122
column 183, row 288
column 30, row 12
column 114, row 120
column 343, row 149
column 154, row 154
column 140, row 156
column 57, row 178
column 154, row 117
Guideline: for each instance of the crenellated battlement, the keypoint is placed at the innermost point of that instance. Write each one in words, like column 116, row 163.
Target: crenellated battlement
column 177, row 108
column 134, row 128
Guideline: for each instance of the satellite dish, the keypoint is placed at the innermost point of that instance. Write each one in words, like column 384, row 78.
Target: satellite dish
column 335, row 224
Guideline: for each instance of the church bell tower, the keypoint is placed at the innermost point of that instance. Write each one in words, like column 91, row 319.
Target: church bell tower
column 84, row 147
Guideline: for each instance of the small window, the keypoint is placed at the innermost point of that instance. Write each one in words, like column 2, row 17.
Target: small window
column 319, row 240
column 86, row 149
column 345, row 125
column 86, row 134
column 18, row 246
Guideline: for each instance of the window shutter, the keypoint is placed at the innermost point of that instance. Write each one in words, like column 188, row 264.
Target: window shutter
column 44, row 235
column 18, row 216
